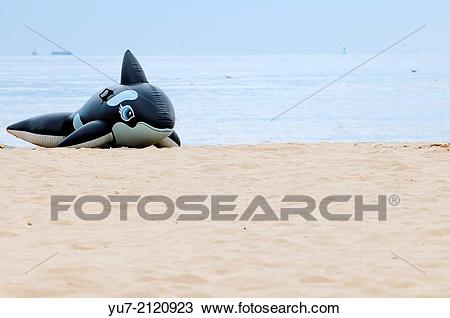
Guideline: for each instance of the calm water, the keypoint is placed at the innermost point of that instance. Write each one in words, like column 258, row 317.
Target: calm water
column 230, row 100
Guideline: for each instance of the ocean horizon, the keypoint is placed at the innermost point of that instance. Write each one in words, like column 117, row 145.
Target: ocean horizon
column 221, row 100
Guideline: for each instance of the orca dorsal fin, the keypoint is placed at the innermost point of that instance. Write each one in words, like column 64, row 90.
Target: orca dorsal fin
column 132, row 72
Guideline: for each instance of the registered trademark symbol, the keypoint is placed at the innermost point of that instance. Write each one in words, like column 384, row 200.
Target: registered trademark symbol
column 394, row 200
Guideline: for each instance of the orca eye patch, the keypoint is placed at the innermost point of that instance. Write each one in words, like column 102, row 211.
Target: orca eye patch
column 121, row 97
column 126, row 112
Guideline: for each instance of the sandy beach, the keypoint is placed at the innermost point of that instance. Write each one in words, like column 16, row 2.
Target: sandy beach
column 407, row 255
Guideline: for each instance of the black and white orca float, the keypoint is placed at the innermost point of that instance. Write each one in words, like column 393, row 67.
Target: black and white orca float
column 132, row 114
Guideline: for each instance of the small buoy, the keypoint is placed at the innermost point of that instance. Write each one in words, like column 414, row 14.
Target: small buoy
column 228, row 76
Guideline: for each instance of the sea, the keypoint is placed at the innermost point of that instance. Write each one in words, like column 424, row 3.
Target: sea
column 224, row 100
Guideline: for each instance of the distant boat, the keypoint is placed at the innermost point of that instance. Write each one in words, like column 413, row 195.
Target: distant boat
column 34, row 53
column 413, row 70
column 61, row 53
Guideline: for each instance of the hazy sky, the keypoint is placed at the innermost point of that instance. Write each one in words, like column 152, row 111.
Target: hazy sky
column 90, row 27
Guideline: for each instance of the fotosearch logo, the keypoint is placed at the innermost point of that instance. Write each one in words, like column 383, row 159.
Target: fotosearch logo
column 223, row 207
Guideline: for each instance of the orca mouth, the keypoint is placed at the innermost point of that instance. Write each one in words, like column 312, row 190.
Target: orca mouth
column 163, row 130
column 133, row 120
column 141, row 135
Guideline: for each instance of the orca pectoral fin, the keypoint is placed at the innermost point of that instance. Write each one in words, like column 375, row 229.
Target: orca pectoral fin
column 91, row 135
column 169, row 142
column 45, row 130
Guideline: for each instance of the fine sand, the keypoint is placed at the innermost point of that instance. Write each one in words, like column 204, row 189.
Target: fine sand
column 407, row 255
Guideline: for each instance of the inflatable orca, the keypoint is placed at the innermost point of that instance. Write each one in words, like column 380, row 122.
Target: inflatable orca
column 132, row 114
